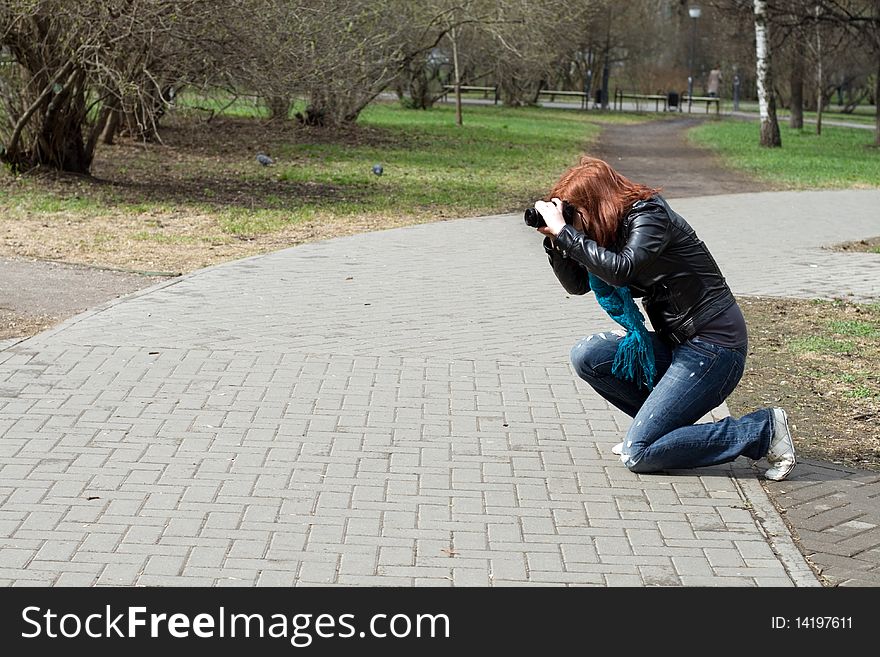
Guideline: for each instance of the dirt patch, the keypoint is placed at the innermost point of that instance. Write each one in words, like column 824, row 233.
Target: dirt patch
column 164, row 243
column 35, row 295
column 821, row 362
column 17, row 324
column 867, row 245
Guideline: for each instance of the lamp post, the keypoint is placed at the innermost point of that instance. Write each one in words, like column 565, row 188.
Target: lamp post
column 735, row 92
column 694, row 13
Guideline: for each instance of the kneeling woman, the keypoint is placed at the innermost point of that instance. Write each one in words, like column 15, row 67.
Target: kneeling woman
column 621, row 240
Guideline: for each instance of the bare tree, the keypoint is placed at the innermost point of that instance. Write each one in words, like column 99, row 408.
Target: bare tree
column 76, row 66
column 840, row 38
column 358, row 47
column 796, row 87
column 862, row 19
column 766, row 102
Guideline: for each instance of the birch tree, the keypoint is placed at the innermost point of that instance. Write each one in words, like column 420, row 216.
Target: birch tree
column 766, row 101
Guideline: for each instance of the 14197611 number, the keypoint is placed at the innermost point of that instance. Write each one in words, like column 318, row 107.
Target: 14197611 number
column 812, row 623
column 824, row 622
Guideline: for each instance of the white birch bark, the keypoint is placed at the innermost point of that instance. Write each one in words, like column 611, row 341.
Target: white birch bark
column 766, row 105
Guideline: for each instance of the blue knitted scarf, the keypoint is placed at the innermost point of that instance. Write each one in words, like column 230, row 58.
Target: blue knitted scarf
column 634, row 360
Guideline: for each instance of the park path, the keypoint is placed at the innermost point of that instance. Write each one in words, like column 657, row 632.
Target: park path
column 658, row 154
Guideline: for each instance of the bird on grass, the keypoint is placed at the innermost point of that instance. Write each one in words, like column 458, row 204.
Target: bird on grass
column 377, row 169
column 264, row 159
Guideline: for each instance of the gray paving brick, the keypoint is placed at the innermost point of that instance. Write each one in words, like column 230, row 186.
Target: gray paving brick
column 724, row 557
column 72, row 579
column 641, row 537
column 11, row 557
column 608, row 546
column 362, row 562
column 620, row 579
column 692, row 566
column 276, row 578
column 541, row 526
column 510, row 568
column 318, row 572
column 225, row 576
column 100, row 542
column 659, row 575
column 55, row 550
column 164, row 565
column 544, row 561
column 118, row 574
column 206, row 557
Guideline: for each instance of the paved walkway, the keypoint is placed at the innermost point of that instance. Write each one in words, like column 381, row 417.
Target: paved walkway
column 394, row 408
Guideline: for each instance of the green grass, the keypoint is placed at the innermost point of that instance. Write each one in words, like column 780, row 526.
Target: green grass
column 498, row 160
column 242, row 106
column 839, row 158
column 861, row 392
column 862, row 114
column 854, row 327
column 820, row 344
column 47, row 204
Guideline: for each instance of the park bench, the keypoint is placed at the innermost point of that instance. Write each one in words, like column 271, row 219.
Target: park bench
column 709, row 100
column 620, row 96
column 447, row 88
column 670, row 101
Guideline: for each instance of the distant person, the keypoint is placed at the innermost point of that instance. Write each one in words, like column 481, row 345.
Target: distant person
column 619, row 239
column 714, row 83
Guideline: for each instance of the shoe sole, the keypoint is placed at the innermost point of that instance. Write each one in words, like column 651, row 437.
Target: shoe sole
column 781, row 474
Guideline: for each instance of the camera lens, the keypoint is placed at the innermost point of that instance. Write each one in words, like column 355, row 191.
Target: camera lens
column 533, row 218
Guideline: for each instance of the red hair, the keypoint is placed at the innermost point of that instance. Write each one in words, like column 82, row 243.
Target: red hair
column 603, row 194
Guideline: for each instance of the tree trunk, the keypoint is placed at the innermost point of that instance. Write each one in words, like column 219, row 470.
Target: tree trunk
column 110, row 128
column 766, row 101
column 877, row 100
column 50, row 133
column 819, row 81
column 279, row 108
column 60, row 142
column 420, row 96
column 796, row 119
column 98, row 130
column 453, row 35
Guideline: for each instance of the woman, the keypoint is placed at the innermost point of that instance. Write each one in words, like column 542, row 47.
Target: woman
column 622, row 240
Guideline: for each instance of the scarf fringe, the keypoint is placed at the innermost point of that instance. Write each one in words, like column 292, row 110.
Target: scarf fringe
column 634, row 360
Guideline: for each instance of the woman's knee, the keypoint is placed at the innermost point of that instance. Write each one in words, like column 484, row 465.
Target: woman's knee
column 639, row 438
column 589, row 354
column 637, row 463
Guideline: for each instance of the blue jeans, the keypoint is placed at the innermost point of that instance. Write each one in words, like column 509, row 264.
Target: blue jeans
column 693, row 378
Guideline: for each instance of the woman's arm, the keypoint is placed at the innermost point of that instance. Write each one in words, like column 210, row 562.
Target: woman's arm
column 648, row 236
column 571, row 274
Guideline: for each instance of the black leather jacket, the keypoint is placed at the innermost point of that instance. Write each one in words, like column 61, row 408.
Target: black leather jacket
column 659, row 257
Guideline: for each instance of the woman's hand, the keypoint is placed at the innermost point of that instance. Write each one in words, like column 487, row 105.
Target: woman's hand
column 551, row 211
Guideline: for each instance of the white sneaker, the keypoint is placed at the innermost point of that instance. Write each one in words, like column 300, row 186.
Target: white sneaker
column 781, row 454
column 617, row 449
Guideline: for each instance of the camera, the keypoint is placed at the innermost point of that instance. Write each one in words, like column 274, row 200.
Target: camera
column 534, row 219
